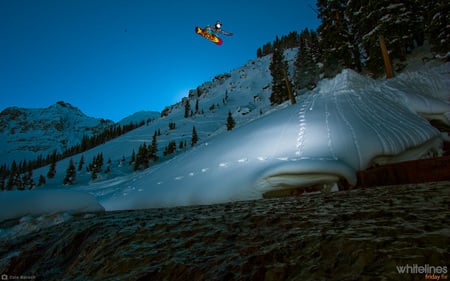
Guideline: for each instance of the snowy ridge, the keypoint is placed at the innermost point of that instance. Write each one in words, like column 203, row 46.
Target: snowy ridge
column 346, row 124
column 58, row 126
column 138, row 117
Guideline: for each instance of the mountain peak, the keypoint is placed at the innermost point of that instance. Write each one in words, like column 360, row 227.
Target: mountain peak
column 66, row 104
column 11, row 113
column 62, row 106
column 58, row 126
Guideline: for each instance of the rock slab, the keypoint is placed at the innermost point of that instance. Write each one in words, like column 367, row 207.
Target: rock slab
column 362, row 234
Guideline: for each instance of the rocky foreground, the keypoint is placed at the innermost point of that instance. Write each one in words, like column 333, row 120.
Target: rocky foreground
column 362, row 234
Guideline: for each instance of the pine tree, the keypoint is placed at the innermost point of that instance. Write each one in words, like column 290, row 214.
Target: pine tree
column 396, row 22
column 278, row 69
column 133, row 157
column 259, row 53
column 81, row 163
column 170, row 148
column 27, row 178
column 99, row 161
column 153, row 149
column 52, row 170
column 70, row 173
column 306, row 68
column 439, row 27
column 334, row 34
column 12, row 175
column 142, row 158
column 230, row 121
column 225, row 99
column 108, row 166
column 187, row 108
column 41, row 181
column 96, row 165
column 354, row 18
column 10, row 182
column 267, row 48
column 18, row 182
column 316, row 51
column 350, row 32
column 194, row 138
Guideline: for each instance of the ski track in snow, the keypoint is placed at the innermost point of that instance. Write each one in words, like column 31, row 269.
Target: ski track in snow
column 222, row 165
column 302, row 124
column 240, row 161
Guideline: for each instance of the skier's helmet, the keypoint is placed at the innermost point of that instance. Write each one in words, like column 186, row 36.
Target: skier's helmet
column 218, row 24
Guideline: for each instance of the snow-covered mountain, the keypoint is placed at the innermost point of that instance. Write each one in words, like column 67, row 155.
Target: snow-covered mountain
column 26, row 133
column 138, row 117
column 346, row 124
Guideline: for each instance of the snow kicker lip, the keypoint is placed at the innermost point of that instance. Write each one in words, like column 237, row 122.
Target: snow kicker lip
column 304, row 173
column 427, row 149
column 325, row 173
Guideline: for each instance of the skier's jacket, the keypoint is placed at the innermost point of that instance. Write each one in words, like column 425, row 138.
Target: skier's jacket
column 216, row 30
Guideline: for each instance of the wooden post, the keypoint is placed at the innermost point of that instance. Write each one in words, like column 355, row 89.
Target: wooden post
column 387, row 61
column 291, row 96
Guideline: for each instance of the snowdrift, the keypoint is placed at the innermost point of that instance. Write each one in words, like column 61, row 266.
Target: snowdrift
column 348, row 124
column 20, row 203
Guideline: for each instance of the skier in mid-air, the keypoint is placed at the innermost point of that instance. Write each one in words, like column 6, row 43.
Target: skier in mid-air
column 216, row 29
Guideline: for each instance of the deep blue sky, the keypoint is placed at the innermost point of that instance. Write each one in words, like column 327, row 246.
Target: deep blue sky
column 111, row 58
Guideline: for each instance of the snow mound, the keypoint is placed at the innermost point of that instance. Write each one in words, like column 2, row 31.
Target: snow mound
column 16, row 204
column 424, row 91
column 347, row 124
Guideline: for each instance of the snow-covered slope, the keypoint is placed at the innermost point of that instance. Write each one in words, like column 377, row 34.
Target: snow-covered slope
column 244, row 92
column 28, row 133
column 344, row 125
column 138, row 117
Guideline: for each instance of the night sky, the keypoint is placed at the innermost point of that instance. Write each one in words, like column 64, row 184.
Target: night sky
column 111, row 58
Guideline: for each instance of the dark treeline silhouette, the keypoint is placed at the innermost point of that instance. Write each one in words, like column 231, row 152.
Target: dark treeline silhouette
column 350, row 30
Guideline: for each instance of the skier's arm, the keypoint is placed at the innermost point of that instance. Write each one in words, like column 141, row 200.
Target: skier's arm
column 226, row 33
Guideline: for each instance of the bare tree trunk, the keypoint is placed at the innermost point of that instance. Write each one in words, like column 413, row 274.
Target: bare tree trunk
column 387, row 61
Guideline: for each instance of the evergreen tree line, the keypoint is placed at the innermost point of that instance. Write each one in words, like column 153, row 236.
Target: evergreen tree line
column 188, row 112
column 350, row 31
column 281, row 85
column 348, row 36
column 19, row 181
column 285, row 42
column 146, row 155
column 25, row 166
column 107, row 135
column 95, row 167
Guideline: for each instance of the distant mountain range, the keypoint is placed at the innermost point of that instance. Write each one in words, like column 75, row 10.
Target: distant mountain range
column 26, row 133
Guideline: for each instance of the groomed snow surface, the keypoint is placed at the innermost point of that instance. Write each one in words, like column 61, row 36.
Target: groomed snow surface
column 346, row 124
